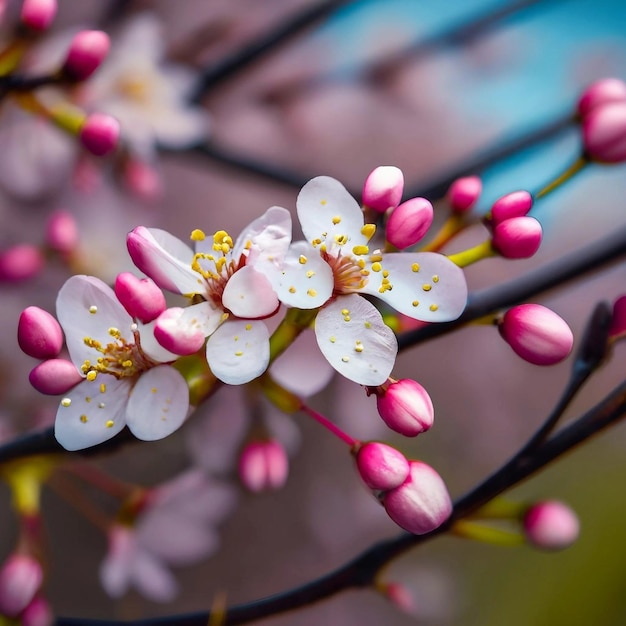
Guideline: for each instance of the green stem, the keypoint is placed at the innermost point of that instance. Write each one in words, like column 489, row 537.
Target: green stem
column 477, row 253
column 569, row 173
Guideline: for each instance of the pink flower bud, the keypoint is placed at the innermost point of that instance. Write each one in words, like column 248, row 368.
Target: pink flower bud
column 515, row 204
column 551, row 525
column 38, row 14
column 409, row 222
column 517, row 238
column 85, row 55
column 406, row 407
column 39, row 334
column 381, row 467
column 464, row 193
column 618, row 323
column 421, row 503
column 20, row 579
column 54, row 376
column 603, row 91
column 383, row 188
column 604, row 133
column 100, row 134
column 37, row 613
column 263, row 465
column 176, row 336
column 141, row 298
column 399, row 595
column 142, row 180
column 536, row 334
column 20, row 263
column 62, row 232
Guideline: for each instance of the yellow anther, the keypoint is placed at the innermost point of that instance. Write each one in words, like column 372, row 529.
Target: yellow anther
column 365, row 273
column 101, row 405
column 225, row 248
column 344, row 311
column 367, row 324
column 91, row 375
column 415, row 267
column 310, row 274
column 197, row 235
column 66, row 402
column 153, row 390
column 103, row 388
column 236, row 337
column 323, row 202
column 87, row 399
column 433, row 307
column 336, row 220
column 115, row 332
column 239, row 353
column 415, row 303
column 93, row 309
column 376, row 267
column 248, row 326
column 109, row 423
column 361, row 263
column 83, row 419
column 302, row 259
column 435, row 278
column 376, row 258
column 385, row 287
column 333, row 339
column 127, row 363
column 346, row 318
column 427, row 287
column 292, row 290
column 385, row 273
column 311, row 292
column 341, row 240
column 345, row 359
column 323, row 248
column 358, row 250
column 316, row 242
column 224, row 317
column 368, row 230
column 358, row 348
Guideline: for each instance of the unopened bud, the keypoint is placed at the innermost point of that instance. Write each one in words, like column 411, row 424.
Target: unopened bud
column 409, row 222
column 517, row 238
column 20, row 262
column 37, row 613
column 514, row 204
column 38, row 14
column 603, row 91
column 551, row 525
column 142, row 180
column 400, row 596
column 175, row 335
column 422, row 503
column 100, row 134
column 263, row 465
column 383, row 188
column 464, row 193
column 85, row 55
column 381, row 467
column 536, row 334
column 20, row 579
column 54, row 376
column 39, row 334
column 62, row 232
column 604, row 133
column 141, row 298
column 405, row 407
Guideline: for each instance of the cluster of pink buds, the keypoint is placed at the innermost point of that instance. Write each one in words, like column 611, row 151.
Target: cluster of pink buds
column 602, row 112
column 263, row 466
column 413, row 494
column 515, row 235
column 536, row 334
column 21, row 577
column 407, row 222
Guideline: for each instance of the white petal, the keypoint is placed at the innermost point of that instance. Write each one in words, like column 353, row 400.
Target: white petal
column 328, row 212
column 305, row 280
column 92, row 412
column 165, row 259
column 249, row 295
column 302, row 369
column 152, row 578
column 238, row 351
column 357, row 343
column 116, row 567
column 425, row 286
column 159, row 403
column 151, row 347
column 87, row 307
column 267, row 238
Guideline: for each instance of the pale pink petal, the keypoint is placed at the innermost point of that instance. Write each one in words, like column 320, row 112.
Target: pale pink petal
column 151, row 347
column 158, row 404
column 152, row 579
column 87, row 307
column 305, row 280
column 92, row 412
column 165, row 259
column 249, row 295
column 424, row 285
column 302, row 369
column 238, row 351
column 328, row 212
column 354, row 339
column 267, row 238
column 115, row 569
column 183, row 330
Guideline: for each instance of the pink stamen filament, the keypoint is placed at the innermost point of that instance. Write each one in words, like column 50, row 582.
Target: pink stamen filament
column 328, row 425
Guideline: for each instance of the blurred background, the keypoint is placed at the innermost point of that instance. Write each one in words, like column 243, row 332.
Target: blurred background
column 359, row 90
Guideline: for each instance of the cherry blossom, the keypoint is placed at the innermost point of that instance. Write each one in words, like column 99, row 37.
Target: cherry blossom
column 125, row 381
column 229, row 278
column 336, row 264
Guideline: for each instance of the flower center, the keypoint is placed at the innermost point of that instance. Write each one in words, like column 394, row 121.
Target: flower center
column 349, row 274
column 119, row 358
